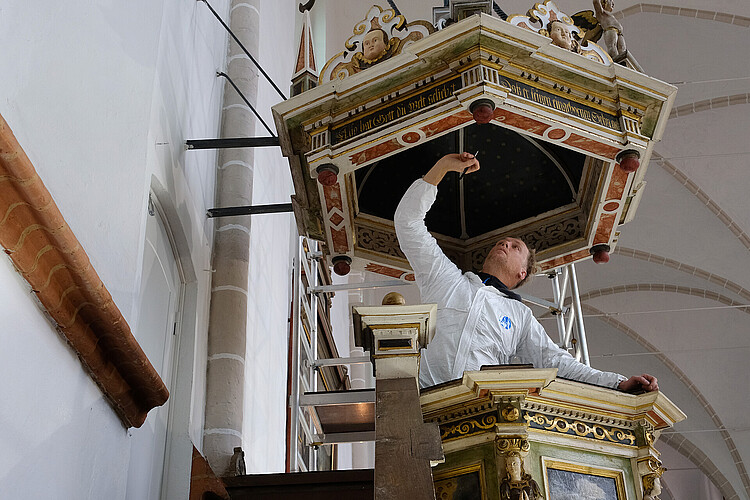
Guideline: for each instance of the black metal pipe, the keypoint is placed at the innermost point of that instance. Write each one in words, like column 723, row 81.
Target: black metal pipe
column 232, row 142
column 249, row 210
column 221, row 73
column 216, row 15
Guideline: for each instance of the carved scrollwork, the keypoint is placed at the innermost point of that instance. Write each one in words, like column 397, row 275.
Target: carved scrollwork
column 383, row 242
column 579, row 428
column 468, row 427
column 397, row 34
column 508, row 444
column 538, row 19
column 553, row 234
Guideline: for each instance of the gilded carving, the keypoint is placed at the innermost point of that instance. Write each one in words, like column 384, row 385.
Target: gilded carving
column 468, row 427
column 652, row 483
column 542, row 19
column 511, row 413
column 579, row 428
column 385, row 242
column 510, row 444
column 645, row 435
column 379, row 36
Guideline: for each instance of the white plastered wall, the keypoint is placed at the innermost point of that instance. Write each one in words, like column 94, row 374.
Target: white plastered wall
column 271, row 253
column 102, row 97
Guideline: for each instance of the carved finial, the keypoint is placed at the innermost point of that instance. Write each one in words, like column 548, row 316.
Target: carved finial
column 394, row 299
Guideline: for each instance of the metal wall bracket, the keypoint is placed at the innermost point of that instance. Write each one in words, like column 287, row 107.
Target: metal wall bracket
column 249, row 210
column 232, row 142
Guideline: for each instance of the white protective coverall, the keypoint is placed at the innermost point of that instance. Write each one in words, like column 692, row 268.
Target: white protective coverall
column 476, row 324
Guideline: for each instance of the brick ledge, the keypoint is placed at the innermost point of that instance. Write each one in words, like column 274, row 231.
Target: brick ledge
column 50, row 258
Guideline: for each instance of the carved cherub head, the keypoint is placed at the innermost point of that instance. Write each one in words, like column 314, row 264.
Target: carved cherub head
column 374, row 44
column 608, row 5
column 560, row 34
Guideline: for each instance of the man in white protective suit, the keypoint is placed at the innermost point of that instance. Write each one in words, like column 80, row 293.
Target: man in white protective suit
column 480, row 320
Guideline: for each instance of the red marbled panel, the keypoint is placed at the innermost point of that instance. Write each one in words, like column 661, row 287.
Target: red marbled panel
column 410, row 137
column 336, row 219
column 591, row 146
column 520, row 121
column 333, row 197
column 375, row 151
column 617, row 184
column 447, row 123
column 384, row 270
column 340, row 240
column 565, row 259
column 604, row 229
column 556, row 134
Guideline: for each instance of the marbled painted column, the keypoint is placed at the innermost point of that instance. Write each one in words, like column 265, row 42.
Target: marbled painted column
column 228, row 315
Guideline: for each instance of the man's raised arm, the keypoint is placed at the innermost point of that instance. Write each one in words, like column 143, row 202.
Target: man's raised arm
column 422, row 251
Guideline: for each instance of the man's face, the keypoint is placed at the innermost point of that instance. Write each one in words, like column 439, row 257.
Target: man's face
column 608, row 5
column 373, row 44
column 512, row 255
column 560, row 35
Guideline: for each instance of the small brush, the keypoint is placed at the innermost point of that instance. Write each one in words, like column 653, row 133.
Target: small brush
column 467, row 168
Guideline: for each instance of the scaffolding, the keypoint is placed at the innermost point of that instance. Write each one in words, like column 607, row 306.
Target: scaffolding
column 571, row 332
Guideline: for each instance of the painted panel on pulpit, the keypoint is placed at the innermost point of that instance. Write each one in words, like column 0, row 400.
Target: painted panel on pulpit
column 572, row 481
column 464, row 483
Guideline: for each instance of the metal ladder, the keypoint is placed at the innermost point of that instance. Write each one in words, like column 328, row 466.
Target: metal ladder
column 314, row 413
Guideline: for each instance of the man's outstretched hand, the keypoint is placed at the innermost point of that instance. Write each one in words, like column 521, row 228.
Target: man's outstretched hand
column 451, row 163
column 638, row 383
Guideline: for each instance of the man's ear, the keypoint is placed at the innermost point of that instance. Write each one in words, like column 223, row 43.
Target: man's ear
column 521, row 274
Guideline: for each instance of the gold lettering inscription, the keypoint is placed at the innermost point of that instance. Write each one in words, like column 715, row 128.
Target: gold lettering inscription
column 560, row 104
column 384, row 116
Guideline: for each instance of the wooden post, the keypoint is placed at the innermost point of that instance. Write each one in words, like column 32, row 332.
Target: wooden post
column 404, row 444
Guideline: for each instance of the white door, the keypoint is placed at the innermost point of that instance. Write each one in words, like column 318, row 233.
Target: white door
column 155, row 331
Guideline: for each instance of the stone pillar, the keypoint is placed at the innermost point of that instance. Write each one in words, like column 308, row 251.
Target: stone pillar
column 228, row 313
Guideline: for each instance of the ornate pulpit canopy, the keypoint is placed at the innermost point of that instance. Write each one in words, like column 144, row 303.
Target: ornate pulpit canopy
column 563, row 135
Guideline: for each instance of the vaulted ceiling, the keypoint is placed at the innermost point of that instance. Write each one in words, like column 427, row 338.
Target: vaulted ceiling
column 669, row 301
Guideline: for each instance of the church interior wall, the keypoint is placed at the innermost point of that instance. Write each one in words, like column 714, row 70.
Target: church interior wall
column 273, row 245
column 102, row 97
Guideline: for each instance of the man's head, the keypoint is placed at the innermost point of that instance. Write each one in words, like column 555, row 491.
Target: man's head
column 374, row 44
column 510, row 261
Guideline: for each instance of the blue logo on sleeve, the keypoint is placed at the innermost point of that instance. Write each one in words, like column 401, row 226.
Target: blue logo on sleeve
column 506, row 323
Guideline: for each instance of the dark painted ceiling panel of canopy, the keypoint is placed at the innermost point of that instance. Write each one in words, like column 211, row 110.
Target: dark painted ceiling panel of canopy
column 519, row 179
